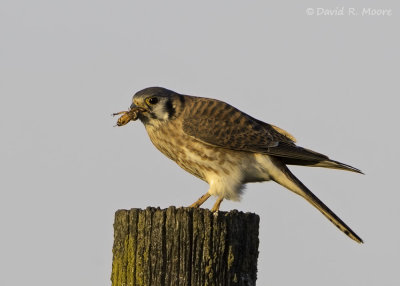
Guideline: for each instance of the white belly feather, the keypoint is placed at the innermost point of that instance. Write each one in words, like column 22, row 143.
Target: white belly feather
column 226, row 171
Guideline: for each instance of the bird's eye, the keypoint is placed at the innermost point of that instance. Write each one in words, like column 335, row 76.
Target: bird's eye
column 152, row 100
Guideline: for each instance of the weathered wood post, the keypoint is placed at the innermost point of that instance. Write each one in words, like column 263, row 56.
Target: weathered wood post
column 184, row 246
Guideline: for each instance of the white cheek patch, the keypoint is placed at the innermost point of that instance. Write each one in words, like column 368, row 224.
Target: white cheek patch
column 158, row 112
column 165, row 115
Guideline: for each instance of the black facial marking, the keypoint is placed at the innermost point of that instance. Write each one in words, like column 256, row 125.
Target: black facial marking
column 169, row 108
column 152, row 115
column 144, row 119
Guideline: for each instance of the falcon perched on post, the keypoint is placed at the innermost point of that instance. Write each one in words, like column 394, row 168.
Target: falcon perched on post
column 226, row 147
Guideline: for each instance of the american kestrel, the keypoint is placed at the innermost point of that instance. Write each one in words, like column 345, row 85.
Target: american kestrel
column 226, row 147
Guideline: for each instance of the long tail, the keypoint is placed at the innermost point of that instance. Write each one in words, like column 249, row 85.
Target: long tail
column 285, row 178
column 296, row 155
column 337, row 165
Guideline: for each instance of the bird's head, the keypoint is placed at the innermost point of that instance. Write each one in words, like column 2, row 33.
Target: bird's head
column 157, row 103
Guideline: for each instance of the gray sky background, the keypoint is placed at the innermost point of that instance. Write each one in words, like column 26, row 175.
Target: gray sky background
column 331, row 81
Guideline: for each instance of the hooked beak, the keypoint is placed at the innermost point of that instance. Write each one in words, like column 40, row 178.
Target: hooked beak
column 133, row 106
column 139, row 108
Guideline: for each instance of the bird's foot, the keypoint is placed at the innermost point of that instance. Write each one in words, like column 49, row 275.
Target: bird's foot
column 217, row 204
column 200, row 201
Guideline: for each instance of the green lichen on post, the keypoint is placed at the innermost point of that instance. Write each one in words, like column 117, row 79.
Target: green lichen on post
column 119, row 275
column 231, row 257
column 184, row 246
column 132, row 246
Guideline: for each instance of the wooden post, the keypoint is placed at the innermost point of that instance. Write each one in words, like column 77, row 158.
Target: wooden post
column 184, row 246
